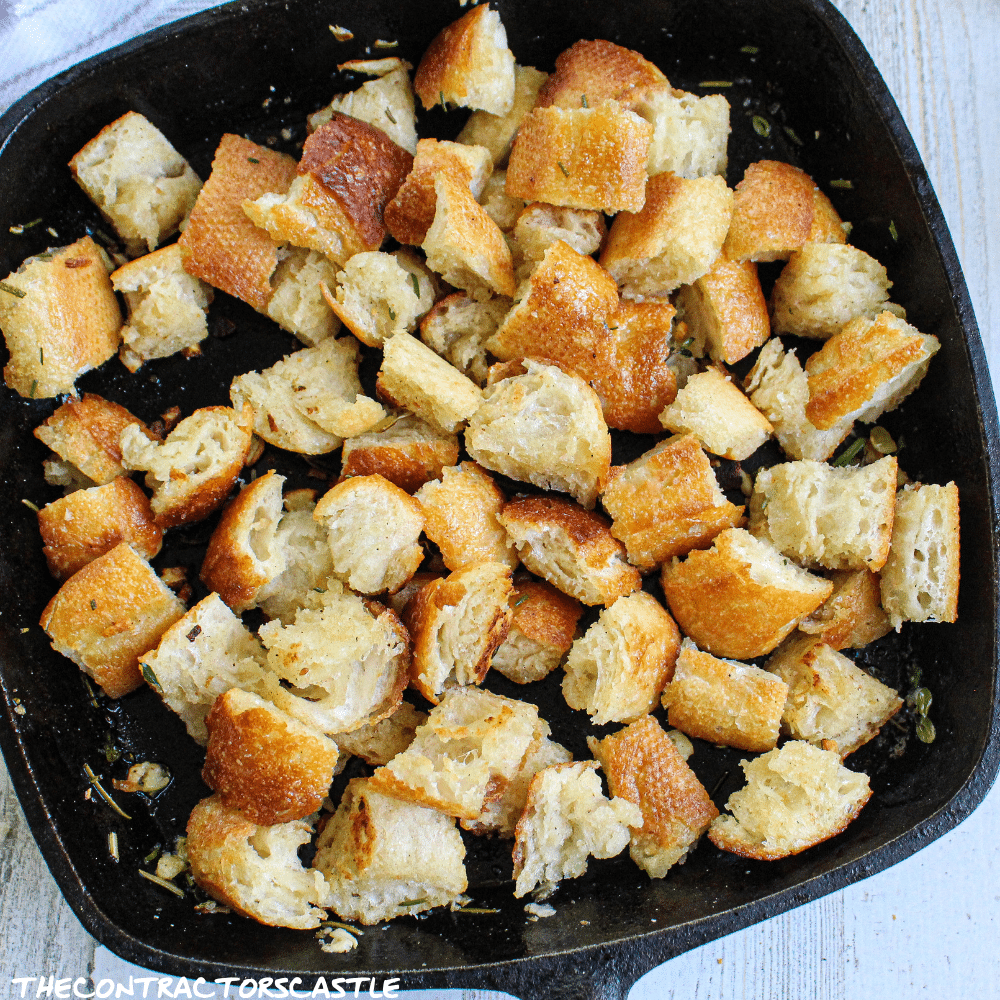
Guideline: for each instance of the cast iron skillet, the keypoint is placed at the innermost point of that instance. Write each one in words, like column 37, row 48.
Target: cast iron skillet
column 260, row 66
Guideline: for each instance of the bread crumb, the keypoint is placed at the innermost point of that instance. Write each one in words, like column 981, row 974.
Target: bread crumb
column 338, row 941
column 537, row 910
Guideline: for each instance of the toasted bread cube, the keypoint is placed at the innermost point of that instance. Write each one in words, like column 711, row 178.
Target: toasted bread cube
column 544, row 427
column 867, row 369
column 265, row 763
column 778, row 209
column 825, row 516
column 644, row 766
column 795, row 797
column 456, row 623
column 570, row 547
column 715, row 411
column 141, row 184
column 297, row 303
column 617, row 669
column 255, row 870
column 566, row 820
column 593, row 157
column 409, row 452
column 826, row 285
column 541, row 632
column 373, row 529
column 673, row 240
column 466, row 754
column 378, row 742
column 458, row 327
column 779, row 388
column 539, row 226
column 193, row 470
column 830, row 699
column 108, row 614
column 723, row 701
column 725, row 311
column 221, row 245
column 461, row 511
column 386, row 858
column 87, row 523
column 201, row 656
column 468, row 64
column 740, row 598
column 501, row 207
column 920, row 577
column 852, row 616
column 60, row 318
column 667, row 502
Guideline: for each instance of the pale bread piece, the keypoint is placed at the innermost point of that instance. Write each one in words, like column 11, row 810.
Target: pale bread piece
column 852, row 616
column 201, row 656
column 740, row 598
column 795, row 797
column 819, row 515
column 87, row 523
column 501, row 207
column 458, row 327
column 616, row 671
column 384, row 858
column 832, row 703
column 297, row 303
column 265, row 763
column 566, row 820
column 673, row 240
column 60, row 319
column 469, row 65
column 643, row 766
column 255, row 870
column 108, row 614
column 540, row 225
column 920, row 577
column 667, row 502
column 64, row 474
column 723, row 701
column 141, row 184
column 377, row 743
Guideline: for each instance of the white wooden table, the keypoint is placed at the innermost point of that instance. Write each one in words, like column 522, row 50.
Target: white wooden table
column 927, row 927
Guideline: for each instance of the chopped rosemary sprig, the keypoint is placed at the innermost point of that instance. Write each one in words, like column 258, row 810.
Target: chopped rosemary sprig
column 113, row 845
column 750, row 50
column 413, row 902
column 28, row 503
column 103, row 794
column 149, row 677
column 848, row 455
column 34, row 388
column 562, row 167
column 761, row 126
column 716, row 83
column 11, row 290
column 893, row 232
column 162, row 882
column 790, row 132
column 253, row 159
column 583, row 101
column 152, row 856
column 475, row 909
column 17, row 230
column 444, row 103
column 390, row 116
column 521, row 600
column 344, row 927
column 416, row 284
column 843, row 184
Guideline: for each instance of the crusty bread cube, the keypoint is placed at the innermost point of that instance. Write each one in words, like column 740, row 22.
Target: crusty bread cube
column 673, row 240
column 373, row 527
column 378, row 742
column 725, row 311
column 108, row 614
column 458, row 327
column 201, row 656
column 778, row 208
column 723, row 701
column 87, row 523
column 221, row 245
column 740, row 598
column 617, row 669
column 566, row 820
column 852, row 616
column 920, row 577
column 468, row 64
column 832, row 703
column 255, row 870
column 456, row 623
column 819, row 515
column 60, row 318
column 543, row 427
column 501, row 207
column 584, row 157
column 409, row 452
column 867, row 369
column 667, row 502
column 540, row 225
column 193, row 470
column 263, row 762
column 795, row 797
column 297, row 303
column 570, row 547
column 386, row 858
column 715, row 411
column 644, row 766
column 141, row 184
column 541, row 632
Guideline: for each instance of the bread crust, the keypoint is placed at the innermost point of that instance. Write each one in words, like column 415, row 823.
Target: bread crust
column 852, row 616
column 589, row 72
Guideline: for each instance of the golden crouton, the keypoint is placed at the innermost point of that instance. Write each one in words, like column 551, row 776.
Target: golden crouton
column 643, row 766
column 86, row 524
column 221, row 245
column 740, row 598
column 297, row 303
column 667, row 502
column 60, row 318
column 458, row 327
column 377, row 743
column 852, row 616
column 501, row 207
column 108, row 614
column 778, row 209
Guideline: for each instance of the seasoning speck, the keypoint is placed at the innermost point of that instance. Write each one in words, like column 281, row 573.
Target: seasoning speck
column 341, row 34
column 194, row 633
column 893, row 232
column 716, row 83
column 843, row 184
column 563, row 169
column 11, row 290
column 253, row 159
column 28, row 503
column 790, row 132
column 750, row 50
column 390, row 116
column 761, row 126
